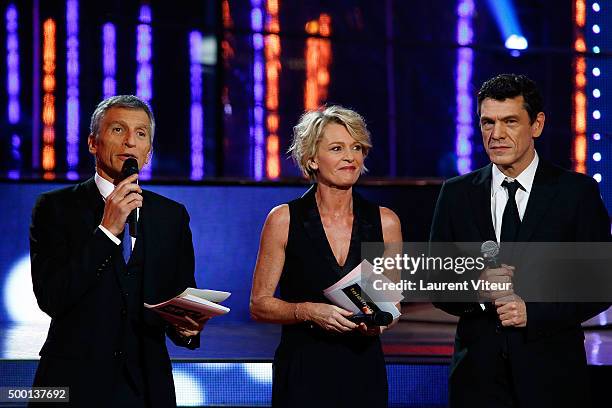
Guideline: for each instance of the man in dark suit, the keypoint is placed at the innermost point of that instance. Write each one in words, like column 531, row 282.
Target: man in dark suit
column 509, row 353
column 92, row 277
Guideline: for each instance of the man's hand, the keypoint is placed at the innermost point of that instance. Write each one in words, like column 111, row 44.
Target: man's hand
column 191, row 328
column 512, row 311
column 120, row 203
column 503, row 274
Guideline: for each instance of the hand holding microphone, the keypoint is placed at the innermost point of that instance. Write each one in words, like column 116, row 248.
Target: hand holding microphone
column 495, row 272
column 379, row 318
column 123, row 201
column 372, row 324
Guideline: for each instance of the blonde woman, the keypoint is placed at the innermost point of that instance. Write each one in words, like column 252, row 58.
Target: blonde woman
column 323, row 358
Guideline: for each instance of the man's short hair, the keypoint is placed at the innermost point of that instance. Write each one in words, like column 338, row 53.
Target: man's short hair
column 506, row 86
column 309, row 131
column 120, row 101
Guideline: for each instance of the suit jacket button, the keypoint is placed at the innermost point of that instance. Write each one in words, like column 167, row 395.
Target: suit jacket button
column 123, row 312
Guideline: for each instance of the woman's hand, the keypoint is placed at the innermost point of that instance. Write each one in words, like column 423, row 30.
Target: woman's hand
column 328, row 317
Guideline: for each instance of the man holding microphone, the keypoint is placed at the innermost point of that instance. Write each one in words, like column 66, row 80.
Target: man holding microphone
column 92, row 276
column 508, row 352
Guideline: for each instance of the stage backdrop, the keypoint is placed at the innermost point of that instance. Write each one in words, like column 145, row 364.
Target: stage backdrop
column 226, row 221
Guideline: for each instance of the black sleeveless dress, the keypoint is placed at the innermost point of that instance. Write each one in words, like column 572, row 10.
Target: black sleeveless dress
column 313, row 367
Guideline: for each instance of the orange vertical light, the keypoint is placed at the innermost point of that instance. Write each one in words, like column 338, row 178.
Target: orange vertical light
column 272, row 122
column 226, row 48
column 227, row 51
column 579, row 102
column 272, row 52
column 48, row 110
column 318, row 58
column 272, row 156
column 580, row 13
column 227, row 17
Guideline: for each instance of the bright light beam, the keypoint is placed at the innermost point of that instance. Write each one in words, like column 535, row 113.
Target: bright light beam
column 505, row 15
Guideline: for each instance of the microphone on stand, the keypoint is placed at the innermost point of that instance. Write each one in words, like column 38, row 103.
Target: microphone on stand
column 130, row 166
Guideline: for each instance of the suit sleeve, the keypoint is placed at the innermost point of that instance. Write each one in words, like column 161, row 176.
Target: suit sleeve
column 63, row 271
column 441, row 231
column 592, row 225
column 186, row 268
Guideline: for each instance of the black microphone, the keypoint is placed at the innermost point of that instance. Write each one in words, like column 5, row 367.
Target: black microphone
column 130, row 166
column 375, row 319
column 490, row 251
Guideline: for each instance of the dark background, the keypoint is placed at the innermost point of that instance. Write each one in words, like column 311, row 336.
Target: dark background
column 422, row 41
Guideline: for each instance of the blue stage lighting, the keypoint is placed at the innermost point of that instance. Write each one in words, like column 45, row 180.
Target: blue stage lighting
column 516, row 42
column 505, row 15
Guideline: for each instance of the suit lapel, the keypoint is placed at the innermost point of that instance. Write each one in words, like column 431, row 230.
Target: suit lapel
column 543, row 192
column 480, row 198
column 140, row 241
column 91, row 204
column 145, row 221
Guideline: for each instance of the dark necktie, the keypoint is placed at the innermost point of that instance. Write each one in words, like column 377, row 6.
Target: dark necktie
column 511, row 221
column 126, row 243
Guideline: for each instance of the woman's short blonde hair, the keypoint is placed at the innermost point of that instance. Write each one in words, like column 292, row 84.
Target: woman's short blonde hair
column 309, row 131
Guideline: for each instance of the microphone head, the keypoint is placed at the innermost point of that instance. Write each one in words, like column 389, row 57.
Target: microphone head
column 489, row 249
column 382, row 318
column 130, row 166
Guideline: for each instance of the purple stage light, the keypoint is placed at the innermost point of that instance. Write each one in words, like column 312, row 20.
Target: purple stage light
column 72, row 87
column 109, row 60
column 144, row 71
column 12, row 65
column 257, row 126
column 465, row 57
column 197, row 111
column 13, row 85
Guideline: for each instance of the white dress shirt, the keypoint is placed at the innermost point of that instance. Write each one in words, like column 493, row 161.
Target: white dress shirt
column 499, row 194
column 105, row 187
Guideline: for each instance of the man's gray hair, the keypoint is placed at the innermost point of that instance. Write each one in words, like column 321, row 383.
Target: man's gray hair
column 120, row 101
